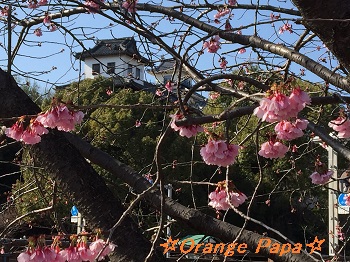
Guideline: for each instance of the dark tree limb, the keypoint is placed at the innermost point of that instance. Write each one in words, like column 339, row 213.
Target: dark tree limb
column 330, row 21
column 191, row 217
column 63, row 162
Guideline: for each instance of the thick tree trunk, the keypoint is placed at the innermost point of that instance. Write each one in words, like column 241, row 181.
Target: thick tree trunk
column 332, row 31
column 75, row 176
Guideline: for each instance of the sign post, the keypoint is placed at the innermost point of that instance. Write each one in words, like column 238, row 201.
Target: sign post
column 77, row 218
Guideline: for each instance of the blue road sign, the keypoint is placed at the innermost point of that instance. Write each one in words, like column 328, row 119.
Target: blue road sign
column 74, row 211
column 342, row 199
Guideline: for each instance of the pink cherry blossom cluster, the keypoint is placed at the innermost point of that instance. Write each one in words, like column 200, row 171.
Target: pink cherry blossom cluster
column 58, row 116
column 341, row 125
column 232, row 2
column 274, row 17
column 273, row 149
column 61, row 117
column 78, row 253
column 213, row 44
column 214, row 95
column 222, row 198
column 223, row 63
column 187, row 131
column 130, row 5
column 170, row 86
column 38, row 32
column 241, row 51
column 278, row 107
column 93, row 6
column 284, row 28
column 347, row 199
column 35, row 4
column 30, row 135
column 47, row 22
column 286, row 130
column 4, row 11
column 320, row 179
column 221, row 13
column 321, row 174
column 219, row 152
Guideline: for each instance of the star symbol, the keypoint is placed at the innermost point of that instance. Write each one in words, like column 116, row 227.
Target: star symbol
column 170, row 244
column 313, row 247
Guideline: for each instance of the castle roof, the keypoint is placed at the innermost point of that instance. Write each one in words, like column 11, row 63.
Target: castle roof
column 109, row 47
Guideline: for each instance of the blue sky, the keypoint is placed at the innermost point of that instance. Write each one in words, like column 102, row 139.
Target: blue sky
column 55, row 49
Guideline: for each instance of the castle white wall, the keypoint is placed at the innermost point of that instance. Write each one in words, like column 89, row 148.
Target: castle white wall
column 121, row 66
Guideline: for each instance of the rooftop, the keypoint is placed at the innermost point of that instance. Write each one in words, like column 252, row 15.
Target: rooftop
column 108, row 47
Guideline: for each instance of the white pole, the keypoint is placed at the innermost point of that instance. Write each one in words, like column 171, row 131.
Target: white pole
column 169, row 187
column 79, row 223
column 332, row 202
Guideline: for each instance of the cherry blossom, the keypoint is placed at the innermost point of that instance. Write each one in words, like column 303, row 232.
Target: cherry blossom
column 130, row 5
column 221, row 13
column 42, row 2
column 274, row 17
column 219, row 152
column 93, row 6
column 159, row 92
column 47, row 20
column 222, row 197
column 15, row 131
column 228, row 26
column 169, row 86
column 241, row 51
column 24, row 256
column 320, row 179
column 273, row 149
column 137, row 123
column 274, row 108
column 71, row 254
column 322, row 174
column 214, row 95
column 341, row 125
column 4, row 11
column 347, row 199
column 286, row 130
column 232, row 2
column 32, row 4
column 52, row 27
column 277, row 106
column 30, row 135
column 213, row 44
column 49, row 254
column 96, row 247
column 223, row 63
column 285, row 27
column 61, row 117
column 109, row 91
column 187, row 131
column 298, row 100
column 37, row 255
column 85, row 253
column 38, row 32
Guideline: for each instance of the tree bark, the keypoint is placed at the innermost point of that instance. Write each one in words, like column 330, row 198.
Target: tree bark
column 334, row 33
column 75, row 176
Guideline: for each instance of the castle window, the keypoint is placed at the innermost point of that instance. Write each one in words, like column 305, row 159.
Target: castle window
column 110, row 68
column 138, row 73
column 96, row 69
column 129, row 72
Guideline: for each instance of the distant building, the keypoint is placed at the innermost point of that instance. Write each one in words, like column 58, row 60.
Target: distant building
column 120, row 59
column 165, row 71
column 114, row 57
